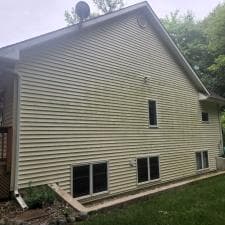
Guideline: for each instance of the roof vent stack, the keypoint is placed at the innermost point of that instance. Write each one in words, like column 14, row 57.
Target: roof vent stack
column 82, row 10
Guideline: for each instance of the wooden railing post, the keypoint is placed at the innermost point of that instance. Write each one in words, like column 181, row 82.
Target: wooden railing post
column 9, row 149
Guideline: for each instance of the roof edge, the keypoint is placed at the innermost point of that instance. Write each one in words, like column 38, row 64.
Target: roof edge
column 178, row 53
column 212, row 98
column 13, row 51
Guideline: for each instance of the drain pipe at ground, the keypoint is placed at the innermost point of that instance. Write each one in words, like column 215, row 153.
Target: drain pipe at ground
column 20, row 200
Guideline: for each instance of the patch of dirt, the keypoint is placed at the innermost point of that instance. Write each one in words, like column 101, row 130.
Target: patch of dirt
column 48, row 214
column 9, row 209
column 32, row 214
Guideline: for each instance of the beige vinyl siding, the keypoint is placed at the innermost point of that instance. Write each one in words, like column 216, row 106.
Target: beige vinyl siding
column 84, row 99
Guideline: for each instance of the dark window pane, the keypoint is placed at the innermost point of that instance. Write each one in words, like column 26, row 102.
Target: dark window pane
column 142, row 166
column 81, row 181
column 205, row 160
column 154, row 168
column 199, row 160
column 100, row 177
column 152, row 113
column 205, row 116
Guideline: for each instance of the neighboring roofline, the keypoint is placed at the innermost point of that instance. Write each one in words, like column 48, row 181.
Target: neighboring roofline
column 212, row 98
column 7, row 63
column 13, row 51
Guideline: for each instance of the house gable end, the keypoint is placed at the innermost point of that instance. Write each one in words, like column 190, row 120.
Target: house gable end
column 13, row 51
column 85, row 99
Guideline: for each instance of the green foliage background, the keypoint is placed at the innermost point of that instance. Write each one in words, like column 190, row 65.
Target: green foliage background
column 203, row 44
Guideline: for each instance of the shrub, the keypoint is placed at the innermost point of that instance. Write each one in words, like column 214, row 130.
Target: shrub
column 37, row 197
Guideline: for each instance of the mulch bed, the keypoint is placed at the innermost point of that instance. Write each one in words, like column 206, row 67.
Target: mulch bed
column 47, row 215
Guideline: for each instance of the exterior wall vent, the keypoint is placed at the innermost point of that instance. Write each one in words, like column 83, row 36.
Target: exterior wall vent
column 142, row 22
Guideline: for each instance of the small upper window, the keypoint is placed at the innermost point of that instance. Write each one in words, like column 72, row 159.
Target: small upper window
column 152, row 113
column 205, row 117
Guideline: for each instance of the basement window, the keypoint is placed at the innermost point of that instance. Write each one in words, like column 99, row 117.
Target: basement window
column 148, row 169
column 90, row 179
column 202, row 160
column 205, row 117
column 152, row 113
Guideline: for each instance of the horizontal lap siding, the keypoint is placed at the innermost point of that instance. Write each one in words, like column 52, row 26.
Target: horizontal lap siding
column 84, row 99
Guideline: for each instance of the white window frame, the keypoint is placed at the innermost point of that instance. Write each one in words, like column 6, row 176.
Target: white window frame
column 206, row 168
column 90, row 164
column 149, row 180
column 157, row 118
column 201, row 117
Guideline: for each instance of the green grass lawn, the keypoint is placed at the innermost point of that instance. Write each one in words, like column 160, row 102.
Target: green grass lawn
column 201, row 203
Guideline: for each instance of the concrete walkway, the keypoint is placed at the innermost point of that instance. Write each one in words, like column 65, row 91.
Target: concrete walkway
column 121, row 200
column 125, row 199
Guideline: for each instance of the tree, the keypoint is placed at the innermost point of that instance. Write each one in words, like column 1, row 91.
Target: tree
column 105, row 6
column 214, row 28
column 217, row 70
column 203, row 44
column 72, row 18
column 187, row 33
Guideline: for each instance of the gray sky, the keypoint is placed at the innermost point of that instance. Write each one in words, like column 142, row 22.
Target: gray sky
column 23, row 19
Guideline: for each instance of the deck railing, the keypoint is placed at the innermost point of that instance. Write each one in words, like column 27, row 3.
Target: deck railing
column 6, row 145
column 3, row 143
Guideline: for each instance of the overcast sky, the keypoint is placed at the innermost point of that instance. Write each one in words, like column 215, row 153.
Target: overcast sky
column 23, row 19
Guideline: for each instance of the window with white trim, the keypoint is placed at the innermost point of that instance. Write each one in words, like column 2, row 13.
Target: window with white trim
column 202, row 160
column 148, row 169
column 152, row 113
column 205, row 117
column 90, row 179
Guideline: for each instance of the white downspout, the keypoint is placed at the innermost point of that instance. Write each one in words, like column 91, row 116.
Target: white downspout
column 17, row 143
column 17, row 132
